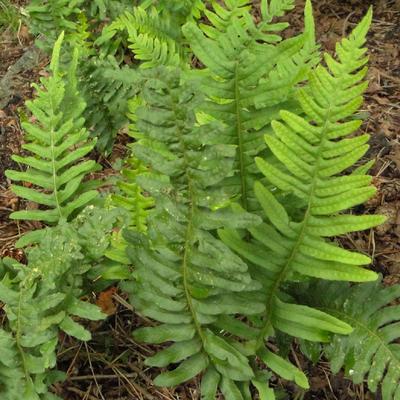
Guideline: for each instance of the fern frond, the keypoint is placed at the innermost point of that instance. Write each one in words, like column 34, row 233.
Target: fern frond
column 103, row 9
column 183, row 10
column 57, row 141
column 106, row 86
column 131, row 196
column 271, row 9
column 222, row 15
column 42, row 298
column 311, row 152
column 185, row 278
column 149, row 36
column 132, row 199
column 247, row 81
column 372, row 349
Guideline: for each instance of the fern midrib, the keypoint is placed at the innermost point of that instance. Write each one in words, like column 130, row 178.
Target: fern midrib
column 18, row 338
column 287, row 267
column 189, row 233
column 53, row 161
column 355, row 322
column 239, row 132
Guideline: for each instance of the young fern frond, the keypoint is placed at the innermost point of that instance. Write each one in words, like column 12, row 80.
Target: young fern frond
column 247, row 81
column 372, row 349
column 131, row 196
column 185, row 278
column 57, row 141
column 312, row 151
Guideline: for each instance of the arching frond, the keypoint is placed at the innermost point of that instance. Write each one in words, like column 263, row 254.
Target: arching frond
column 149, row 37
column 310, row 154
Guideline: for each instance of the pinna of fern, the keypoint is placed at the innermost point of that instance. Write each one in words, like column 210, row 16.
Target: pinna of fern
column 372, row 349
column 57, row 141
column 311, row 151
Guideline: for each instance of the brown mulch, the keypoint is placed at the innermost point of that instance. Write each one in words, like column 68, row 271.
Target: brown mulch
column 111, row 366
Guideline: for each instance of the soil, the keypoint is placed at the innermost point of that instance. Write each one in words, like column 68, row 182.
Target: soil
column 111, row 366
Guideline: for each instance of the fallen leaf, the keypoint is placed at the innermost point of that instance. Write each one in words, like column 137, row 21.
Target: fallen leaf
column 106, row 302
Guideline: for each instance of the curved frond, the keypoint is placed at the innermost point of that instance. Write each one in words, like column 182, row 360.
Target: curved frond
column 310, row 152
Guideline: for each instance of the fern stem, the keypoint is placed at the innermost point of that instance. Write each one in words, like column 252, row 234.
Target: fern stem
column 54, row 174
column 189, row 232
column 243, row 183
column 18, row 338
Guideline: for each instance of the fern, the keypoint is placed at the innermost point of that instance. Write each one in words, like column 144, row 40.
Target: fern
column 106, row 86
column 185, row 278
column 42, row 298
column 312, row 153
column 131, row 196
column 247, row 81
column 371, row 349
column 221, row 17
column 57, row 141
column 150, row 37
column 53, row 17
column 275, row 8
column 101, row 10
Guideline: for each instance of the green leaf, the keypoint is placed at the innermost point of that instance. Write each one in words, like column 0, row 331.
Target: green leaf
column 186, row 371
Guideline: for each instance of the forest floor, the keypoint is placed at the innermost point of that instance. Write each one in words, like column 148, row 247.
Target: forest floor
column 111, row 367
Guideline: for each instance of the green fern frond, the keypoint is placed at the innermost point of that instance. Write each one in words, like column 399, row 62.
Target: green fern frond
column 312, row 151
column 222, row 15
column 132, row 199
column 131, row 196
column 247, row 81
column 50, row 18
column 43, row 297
column 100, row 10
column 149, row 36
column 271, row 9
column 57, row 141
column 372, row 349
column 185, row 278
column 106, row 86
